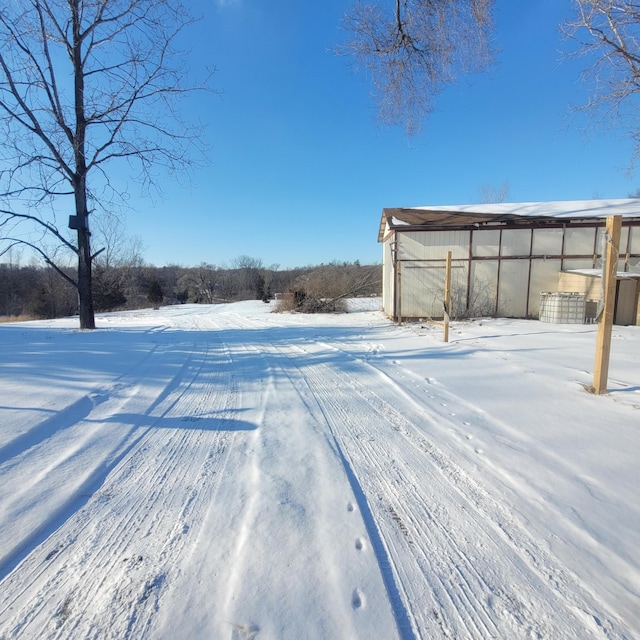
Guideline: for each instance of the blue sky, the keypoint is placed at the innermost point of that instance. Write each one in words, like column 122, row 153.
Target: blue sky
column 300, row 169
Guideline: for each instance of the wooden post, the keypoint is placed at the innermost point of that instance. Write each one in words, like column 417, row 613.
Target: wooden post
column 605, row 324
column 399, row 270
column 447, row 295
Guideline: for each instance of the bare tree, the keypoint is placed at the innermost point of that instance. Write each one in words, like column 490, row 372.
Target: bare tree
column 327, row 287
column 608, row 34
column 249, row 277
column 490, row 194
column 84, row 83
column 120, row 256
column 413, row 48
column 204, row 283
column 117, row 248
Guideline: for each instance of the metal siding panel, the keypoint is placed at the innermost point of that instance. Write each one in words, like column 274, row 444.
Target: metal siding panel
column 459, row 284
column 512, row 296
column 516, row 242
column 432, row 245
column 547, row 242
column 422, row 291
column 387, row 279
column 579, row 241
column 600, row 241
column 484, row 283
column 486, row 243
column 624, row 239
column 578, row 263
column 544, row 277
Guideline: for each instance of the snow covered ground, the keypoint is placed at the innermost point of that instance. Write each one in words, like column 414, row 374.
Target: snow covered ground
column 223, row 472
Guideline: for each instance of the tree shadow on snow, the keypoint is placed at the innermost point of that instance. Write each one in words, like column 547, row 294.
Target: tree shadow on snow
column 202, row 422
column 137, row 426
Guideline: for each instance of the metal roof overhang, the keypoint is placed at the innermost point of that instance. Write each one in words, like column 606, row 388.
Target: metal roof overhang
column 413, row 219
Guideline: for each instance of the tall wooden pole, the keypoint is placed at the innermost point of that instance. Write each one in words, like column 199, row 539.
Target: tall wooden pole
column 605, row 324
column 399, row 270
column 447, row 295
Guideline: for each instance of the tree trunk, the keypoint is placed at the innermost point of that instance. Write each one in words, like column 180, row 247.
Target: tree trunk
column 85, row 289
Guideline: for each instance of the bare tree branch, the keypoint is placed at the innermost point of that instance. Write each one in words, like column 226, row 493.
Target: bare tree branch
column 13, row 242
column 414, row 51
column 8, row 216
column 607, row 33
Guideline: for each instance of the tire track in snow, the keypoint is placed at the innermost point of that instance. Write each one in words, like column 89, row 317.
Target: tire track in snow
column 300, row 382
column 294, row 426
column 465, row 566
column 404, row 624
column 450, row 414
column 84, row 430
column 103, row 572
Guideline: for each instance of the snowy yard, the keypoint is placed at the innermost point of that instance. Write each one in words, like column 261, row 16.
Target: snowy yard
column 223, row 472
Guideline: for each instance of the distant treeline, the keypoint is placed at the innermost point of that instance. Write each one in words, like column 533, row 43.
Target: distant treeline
column 39, row 292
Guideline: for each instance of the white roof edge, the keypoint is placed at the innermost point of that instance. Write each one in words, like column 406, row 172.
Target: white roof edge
column 627, row 207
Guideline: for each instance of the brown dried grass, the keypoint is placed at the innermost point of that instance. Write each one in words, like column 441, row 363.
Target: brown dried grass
column 20, row 318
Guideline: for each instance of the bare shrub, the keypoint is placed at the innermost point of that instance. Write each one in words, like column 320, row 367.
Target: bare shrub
column 326, row 288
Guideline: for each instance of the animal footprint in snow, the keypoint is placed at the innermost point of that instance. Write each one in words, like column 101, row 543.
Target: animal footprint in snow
column 242, row 632
column 359, row 544
column 375, row 349
column 357, row 599
column 350, row 506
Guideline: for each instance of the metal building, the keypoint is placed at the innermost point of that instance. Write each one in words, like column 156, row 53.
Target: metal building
column 504, row 256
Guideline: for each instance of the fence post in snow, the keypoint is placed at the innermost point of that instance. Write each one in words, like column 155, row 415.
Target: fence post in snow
column 399, row 292
column 447, row 295
column 603, row 345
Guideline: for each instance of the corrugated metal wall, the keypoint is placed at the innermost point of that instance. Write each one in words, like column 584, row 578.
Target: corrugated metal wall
column 421, row 255
column 633, row 264
column 543, row 277
column 429, row 245
column 388, row 290
column 496, row 271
